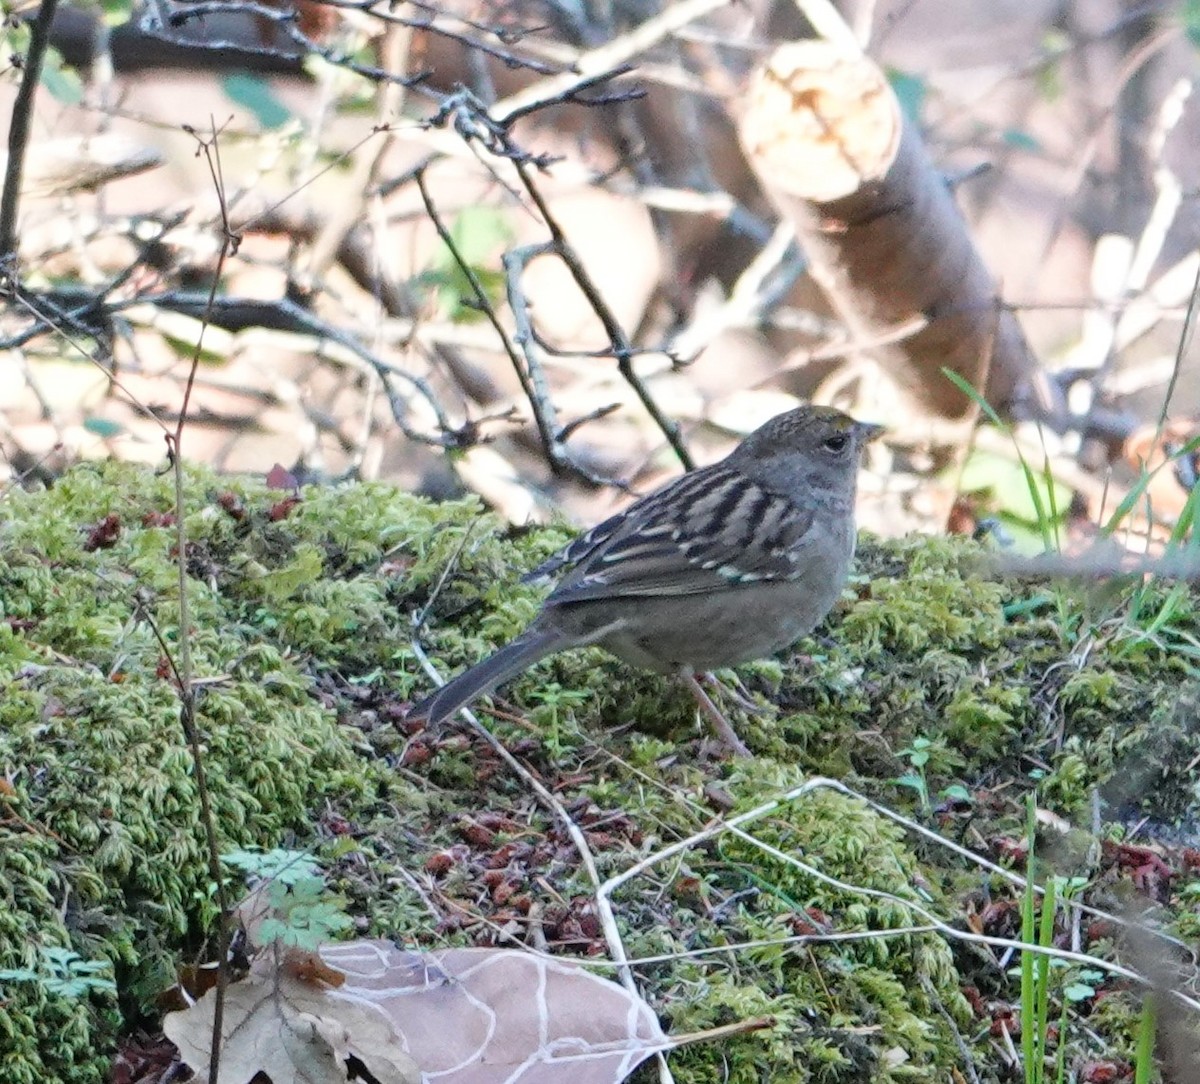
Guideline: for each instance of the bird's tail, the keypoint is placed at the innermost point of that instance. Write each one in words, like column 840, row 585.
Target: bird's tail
column 483, row 677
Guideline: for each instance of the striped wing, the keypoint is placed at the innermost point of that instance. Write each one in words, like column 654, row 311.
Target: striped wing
column 707, row 531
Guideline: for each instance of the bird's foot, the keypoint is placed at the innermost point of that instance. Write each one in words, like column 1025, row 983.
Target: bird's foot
column 713, row 714
column 735, row 690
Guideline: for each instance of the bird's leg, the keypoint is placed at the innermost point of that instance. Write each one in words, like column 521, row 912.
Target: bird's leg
column 736, row 691
column 710, row 710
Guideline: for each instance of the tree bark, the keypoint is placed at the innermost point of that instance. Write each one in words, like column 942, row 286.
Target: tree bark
column 885, row 241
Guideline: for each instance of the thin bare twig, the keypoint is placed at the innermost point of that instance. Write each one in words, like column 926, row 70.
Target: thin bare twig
column 485, row 306
column 18, row 134
column 555, row 450
column 437, row 22
column 533, row 377
column 471, row 120
column 66, row 309
column 1185, row 338
column 170, row 16
column 607, row 57
column 187, row 691
column 622, row 348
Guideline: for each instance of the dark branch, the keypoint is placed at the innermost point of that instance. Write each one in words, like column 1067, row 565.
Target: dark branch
column 18, row 135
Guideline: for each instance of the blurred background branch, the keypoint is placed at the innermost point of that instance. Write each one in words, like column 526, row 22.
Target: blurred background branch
column 519, row 249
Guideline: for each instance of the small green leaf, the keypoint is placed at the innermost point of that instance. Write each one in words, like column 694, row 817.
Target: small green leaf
column 1025, row 496
column 282, row 866
column 65, row 974
column 910, row 91
column 1022, row 140
column 271, row 930
column 306, row 891
column 477, row 232
column 1049, row 80
column 102, row 427
column 256, row 95
column 116, row 12
column 62, row 83
column 20, row 974
column 1078, row 991
column 1191, row 21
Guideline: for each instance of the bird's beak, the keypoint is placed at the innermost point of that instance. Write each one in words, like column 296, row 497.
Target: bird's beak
column 867, row 431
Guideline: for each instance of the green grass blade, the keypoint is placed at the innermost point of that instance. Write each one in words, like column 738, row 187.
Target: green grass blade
column 1138, row 490
column 1046, row 528
column 971, row 392
column 1143, row 1064
column 1060, row 1055
column 1041, row 977
column 1028, row 931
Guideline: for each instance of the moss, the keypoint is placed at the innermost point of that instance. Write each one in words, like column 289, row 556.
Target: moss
column 311, row 621
column 851, row 1010
column 100, row 842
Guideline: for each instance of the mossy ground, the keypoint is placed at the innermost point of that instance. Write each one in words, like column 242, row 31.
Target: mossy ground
column 304, row 647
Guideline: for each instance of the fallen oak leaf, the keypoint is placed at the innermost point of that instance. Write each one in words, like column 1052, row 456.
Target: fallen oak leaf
column 289, row 1030
column 485, row 1016
column 308, row 967
column 455, row 1016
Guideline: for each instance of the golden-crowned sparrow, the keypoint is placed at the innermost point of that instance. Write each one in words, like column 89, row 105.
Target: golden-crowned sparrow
column 726, row 564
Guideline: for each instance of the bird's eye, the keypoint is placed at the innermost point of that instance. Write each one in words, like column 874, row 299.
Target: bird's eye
column 837, row 442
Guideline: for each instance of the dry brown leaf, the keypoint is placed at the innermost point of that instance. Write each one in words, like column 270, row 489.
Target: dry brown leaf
column 310, row 969
column 463, row 1016
column 478, row 1016
column 253, row 911
column 291, row 1031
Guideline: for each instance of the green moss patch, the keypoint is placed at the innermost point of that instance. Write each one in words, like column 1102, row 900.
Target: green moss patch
column 934, row 689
